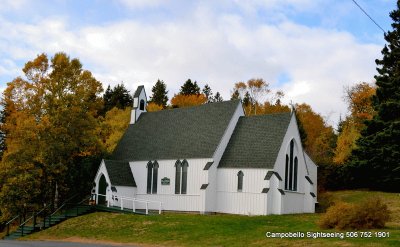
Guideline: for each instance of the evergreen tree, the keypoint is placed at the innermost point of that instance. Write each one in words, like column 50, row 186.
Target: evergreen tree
column 119, row 97
column 208, row 93
column 160, row 92
column 235, row 95
column 246, row 99
column 218, row 97
column 189, row 88
column 376, row 160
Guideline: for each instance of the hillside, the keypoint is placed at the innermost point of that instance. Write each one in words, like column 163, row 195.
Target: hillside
column 218, row 230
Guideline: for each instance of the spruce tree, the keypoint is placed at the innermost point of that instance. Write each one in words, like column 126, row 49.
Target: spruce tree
column 235, row 95
column 190, row 88
column 160, row 92
column 118, row 97
column 208, row 93
column 375, row 162
column 218, row 98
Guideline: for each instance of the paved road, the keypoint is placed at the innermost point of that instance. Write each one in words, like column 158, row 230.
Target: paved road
column 15, row 243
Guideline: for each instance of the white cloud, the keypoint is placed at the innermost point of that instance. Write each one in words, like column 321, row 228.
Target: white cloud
column 134, row 4
column 219, row 49
column 7, row 5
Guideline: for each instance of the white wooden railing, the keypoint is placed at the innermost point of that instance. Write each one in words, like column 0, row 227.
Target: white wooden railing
column 123, row 199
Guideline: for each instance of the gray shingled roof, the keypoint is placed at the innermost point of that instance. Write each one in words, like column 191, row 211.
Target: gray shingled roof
column 137, row 92
column 193, row 132
column 256, row 141
column 120, row 173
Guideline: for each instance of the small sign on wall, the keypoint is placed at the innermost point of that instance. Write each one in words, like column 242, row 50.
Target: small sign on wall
column 165, row 181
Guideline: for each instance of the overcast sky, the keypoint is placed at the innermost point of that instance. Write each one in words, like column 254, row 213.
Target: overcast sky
column 310, row 49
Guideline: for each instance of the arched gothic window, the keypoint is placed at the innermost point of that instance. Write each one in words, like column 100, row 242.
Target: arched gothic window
column 291, row 169
column 152, row 177
column 181, row 170
column 141, row 107
column 240, row 181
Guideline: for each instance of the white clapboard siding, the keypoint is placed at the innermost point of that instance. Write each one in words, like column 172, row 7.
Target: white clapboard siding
column 250, row 200
column 123, row 191
column 211, row 192
column 192, row 201
column 293, row 202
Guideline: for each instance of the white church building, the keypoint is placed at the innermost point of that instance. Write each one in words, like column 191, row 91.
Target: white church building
column 208, row 159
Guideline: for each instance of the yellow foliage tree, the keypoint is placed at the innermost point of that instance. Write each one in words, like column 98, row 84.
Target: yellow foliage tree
column 51, row 122
column 359, row 99
column 151, row 107
column 113, row 127
column 320, row 140
column 181, row 100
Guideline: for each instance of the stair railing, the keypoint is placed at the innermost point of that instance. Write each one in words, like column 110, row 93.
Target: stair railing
column 9, row 223
column 61, row 207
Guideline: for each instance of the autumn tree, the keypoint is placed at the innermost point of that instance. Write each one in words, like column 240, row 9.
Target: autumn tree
column 189, row 95
column 113, row 127
column 254, row 93
column 152, row 107
column 376, row 158
column 51, row 122
column 160, row 94
column 179, row 101
column 320, row 138
column 359, row 100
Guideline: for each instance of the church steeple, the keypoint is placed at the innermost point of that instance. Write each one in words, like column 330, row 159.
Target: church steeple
column 139, row 104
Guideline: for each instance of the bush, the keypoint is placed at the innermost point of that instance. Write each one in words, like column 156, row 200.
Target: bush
column 371, row 213
column 325, row 200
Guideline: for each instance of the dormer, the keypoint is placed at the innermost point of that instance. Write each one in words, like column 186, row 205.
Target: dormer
column 139, row 104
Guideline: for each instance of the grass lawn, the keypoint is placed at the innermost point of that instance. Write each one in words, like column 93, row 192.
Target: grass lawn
column 218, row 230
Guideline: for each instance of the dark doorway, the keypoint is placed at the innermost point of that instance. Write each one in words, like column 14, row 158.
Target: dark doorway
column 102, row 190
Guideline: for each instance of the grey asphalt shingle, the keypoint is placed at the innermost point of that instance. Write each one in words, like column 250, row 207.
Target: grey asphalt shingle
column 256, row 141
column 120, row 173
column 192, row 132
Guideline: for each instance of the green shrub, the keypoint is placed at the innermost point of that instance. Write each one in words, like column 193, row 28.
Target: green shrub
column 371, row 213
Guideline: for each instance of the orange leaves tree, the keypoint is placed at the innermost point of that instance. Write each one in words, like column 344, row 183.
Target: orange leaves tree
column 359, row 100
column 320, row 139
column 189, row 95
column 256, row 91
column 180, row 100
column 50, row 123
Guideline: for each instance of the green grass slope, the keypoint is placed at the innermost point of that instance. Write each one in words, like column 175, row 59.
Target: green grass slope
column 220, row 230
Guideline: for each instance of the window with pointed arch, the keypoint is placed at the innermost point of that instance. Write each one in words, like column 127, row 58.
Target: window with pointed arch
column 240, row 181
column 291, row 168
column 141, row 106
column 152, row 177
column 181, row 171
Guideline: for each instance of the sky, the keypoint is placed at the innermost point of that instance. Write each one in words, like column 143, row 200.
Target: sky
column 309, row 49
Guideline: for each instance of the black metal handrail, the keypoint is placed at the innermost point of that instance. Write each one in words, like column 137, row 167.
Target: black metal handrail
column 35, row 214
column 9, row 223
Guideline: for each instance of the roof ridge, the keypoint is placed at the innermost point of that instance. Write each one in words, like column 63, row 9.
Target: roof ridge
column 196, row 106
column 268, row 115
